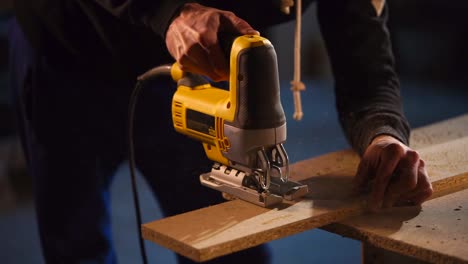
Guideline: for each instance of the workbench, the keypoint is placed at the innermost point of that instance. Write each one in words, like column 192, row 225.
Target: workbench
column 435, row 232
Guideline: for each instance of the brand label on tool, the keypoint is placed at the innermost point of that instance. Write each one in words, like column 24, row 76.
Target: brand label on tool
column 200, row 122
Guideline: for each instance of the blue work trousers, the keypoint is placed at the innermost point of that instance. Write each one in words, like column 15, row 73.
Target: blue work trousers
column 74, row 132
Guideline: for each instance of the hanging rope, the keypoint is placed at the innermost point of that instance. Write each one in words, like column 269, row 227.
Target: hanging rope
column 296, row 85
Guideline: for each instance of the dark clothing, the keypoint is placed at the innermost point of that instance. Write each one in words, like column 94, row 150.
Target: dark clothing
column 122, row 39
column 76, row 137
column 73, row 94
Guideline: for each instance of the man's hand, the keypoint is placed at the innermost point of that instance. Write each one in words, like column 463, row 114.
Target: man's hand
column 192, row 39
column 395, row 173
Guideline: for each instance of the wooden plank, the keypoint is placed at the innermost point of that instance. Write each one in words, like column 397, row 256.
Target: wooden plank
column 437, row 232
column 236, row 225
column 456, row 152
column 440, row 132
column 361, row 227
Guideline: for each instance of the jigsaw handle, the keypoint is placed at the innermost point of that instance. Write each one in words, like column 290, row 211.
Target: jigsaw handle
column 225, row 41
column 257, row 85
column 254, row 100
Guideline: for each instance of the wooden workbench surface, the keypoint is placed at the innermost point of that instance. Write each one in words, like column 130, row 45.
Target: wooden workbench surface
column 232, row 226
column 437, row 232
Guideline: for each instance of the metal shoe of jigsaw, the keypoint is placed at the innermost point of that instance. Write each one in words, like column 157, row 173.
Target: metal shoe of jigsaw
column 243, row 129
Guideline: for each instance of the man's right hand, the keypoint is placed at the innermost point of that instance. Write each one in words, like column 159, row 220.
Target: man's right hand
column 192, row 39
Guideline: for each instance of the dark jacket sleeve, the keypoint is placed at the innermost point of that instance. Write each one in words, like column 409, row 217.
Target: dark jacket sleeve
column 151, row 13
column 366, row 84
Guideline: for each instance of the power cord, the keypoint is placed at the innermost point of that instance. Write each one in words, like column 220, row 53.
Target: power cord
column 142, row 80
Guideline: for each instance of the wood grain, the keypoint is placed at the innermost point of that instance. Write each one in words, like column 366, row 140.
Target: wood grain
column 440, row 132
column 232, row 226
column 237, row 225
column 437, row 232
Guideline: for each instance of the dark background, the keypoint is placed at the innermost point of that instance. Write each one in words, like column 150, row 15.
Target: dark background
column 429, row 39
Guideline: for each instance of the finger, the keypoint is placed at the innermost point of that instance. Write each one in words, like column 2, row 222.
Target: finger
column 389, row 160
column 212, row 62
column 362, row 175
column 234, row 23
column 212, row 58
column 404, row 179
column 219, row 63
column 422, row 191
column 175, row 42
column 196, row 60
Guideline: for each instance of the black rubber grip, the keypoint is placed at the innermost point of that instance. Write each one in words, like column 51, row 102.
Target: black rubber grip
column 259, row 102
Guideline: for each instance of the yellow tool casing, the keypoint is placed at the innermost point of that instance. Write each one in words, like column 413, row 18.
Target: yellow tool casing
column 242, row 129
column 200, row 110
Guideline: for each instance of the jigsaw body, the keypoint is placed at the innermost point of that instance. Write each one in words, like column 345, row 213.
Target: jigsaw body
column 242, row 129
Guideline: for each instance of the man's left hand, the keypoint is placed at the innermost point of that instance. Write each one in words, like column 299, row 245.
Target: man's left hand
column 396, row 174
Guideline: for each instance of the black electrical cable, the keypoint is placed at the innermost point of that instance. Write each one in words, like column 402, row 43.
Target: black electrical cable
column 142, row 80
